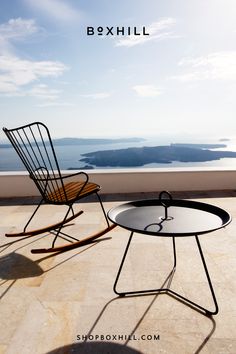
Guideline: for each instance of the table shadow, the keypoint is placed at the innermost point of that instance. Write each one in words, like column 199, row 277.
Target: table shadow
column 95, row 348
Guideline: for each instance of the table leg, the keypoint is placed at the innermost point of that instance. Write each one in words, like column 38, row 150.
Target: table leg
column 167, row 289
column 208, row 278
column 168, row 279
column 121, row 266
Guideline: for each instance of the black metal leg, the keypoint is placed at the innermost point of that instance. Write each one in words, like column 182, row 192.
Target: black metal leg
column 168, row 279
column 171, row 275
column 121, row 266
column 33, row 214
column 59, row 229
column 208, row 279
column 167, row 289
column 105, row 215
column 174, row 251
column 191, row 303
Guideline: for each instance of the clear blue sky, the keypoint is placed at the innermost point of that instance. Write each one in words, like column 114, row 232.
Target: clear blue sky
column 180, row 79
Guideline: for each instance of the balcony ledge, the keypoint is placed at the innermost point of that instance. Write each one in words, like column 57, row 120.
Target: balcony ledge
column 18, row 184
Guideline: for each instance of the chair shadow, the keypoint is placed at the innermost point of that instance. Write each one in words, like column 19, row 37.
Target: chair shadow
column 14, row 266
column 8, row 244
column 95, row 348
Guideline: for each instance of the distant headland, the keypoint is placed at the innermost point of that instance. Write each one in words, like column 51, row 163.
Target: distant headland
column 87, row 141
column 94, row 141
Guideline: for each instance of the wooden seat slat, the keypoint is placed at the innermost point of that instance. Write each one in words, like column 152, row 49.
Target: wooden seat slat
column 71, row 190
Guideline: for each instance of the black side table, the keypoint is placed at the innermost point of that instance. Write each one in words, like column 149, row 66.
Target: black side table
column 169, row 218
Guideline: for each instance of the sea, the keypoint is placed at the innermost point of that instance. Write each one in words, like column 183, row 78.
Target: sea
column 69, row 156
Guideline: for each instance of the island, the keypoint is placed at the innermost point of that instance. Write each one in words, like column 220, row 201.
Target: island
column 224, row 139
column 140, row 156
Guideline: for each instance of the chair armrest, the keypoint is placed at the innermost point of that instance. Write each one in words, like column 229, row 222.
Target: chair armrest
column 50, row 178
column 76, row 174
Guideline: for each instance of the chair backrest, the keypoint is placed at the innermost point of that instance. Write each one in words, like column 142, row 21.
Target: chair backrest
column 34, row 146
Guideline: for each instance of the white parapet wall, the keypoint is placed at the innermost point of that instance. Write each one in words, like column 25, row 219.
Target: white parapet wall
column 18, row 184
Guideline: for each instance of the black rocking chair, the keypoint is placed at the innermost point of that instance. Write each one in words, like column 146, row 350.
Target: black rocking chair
column 34, row 146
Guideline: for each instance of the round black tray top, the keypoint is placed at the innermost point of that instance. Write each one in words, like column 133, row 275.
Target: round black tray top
column 183, row 217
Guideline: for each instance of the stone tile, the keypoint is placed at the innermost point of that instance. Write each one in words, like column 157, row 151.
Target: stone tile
column 14, row 302
column 46, row 325
column 221, row 346
column 3, row 349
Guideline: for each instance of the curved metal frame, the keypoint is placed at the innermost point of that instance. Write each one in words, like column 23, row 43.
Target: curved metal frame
column 167, row 289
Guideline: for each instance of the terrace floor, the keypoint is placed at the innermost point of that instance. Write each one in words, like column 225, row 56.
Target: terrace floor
column 49, row 303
